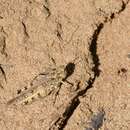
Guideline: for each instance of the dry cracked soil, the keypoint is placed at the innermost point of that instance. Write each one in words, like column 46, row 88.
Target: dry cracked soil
column 64, row 64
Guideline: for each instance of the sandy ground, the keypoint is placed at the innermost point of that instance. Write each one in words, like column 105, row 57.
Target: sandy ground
column 64, row 65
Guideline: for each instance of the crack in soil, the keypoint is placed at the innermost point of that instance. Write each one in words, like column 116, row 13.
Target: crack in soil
column 123, row 7
column 113, row 15
column 74, row 102
column 93, row 50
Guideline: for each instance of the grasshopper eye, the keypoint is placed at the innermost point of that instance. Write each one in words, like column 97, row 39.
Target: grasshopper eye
column 32, row 98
